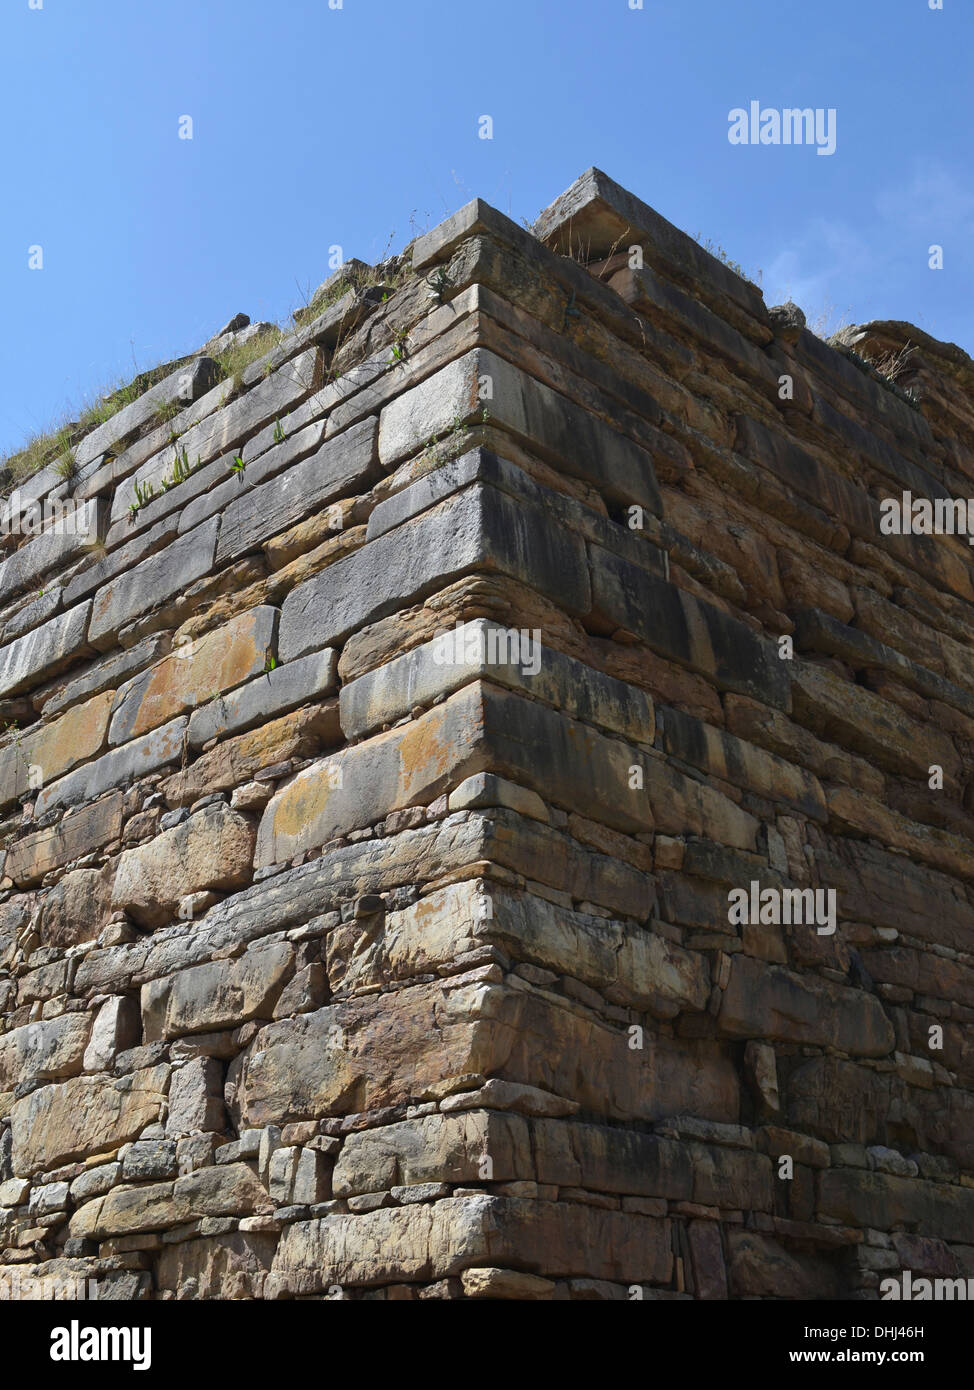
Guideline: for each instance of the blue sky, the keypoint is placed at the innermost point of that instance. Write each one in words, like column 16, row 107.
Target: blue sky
column 315, row 126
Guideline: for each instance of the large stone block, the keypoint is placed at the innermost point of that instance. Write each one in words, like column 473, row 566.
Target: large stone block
column 88, row 829
column 482, row 728
column 77, row 908
column 54, row 748
column 65, row 542
column 212, row 849
column 218, row 994
column 132, row 760
column 477, row 529
column 231, row 1189
column 270, row 695
column 159, row 577
column 511, row 658
column 47, row 1050
column 858, row 1197
column 436, row 1241
column 342, row 466
column 766, row 1001
column 86, row 1114
column 371, row 1051
column 546, row 421
column 453, row 1148
column 230, row 1266
column 44, row 650
column 188, row 383
column 687, row 630
column 629, row 966
column 195, row 673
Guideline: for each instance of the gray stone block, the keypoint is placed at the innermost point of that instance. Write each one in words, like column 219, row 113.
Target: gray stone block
column 135, row 759
column 43, row 650
column 573, row 438
column 104, row 674
column 228, row 427
column 478, row 529
column 264, row 466
column 123, row 557
column 266, row 697
column 186, row 384
column 341, row 466
column 60, row 545
column 687, row 630
column 480, row 465
column 482, row 649
column 154, row 580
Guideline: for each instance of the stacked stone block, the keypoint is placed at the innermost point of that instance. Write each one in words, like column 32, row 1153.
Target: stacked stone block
column 350, row 948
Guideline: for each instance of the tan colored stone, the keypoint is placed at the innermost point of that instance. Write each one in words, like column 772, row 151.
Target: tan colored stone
column 193, row 673
column 84, row 1115
column 220, row 994
column 212, row 849
column 230, row 1189
column 236, row 760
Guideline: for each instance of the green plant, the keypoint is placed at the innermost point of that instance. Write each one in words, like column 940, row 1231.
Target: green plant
column 278, row 432
column 64, row 467
column 272, row 664
column 400, row 350
column 238, row 466
column 144, row 493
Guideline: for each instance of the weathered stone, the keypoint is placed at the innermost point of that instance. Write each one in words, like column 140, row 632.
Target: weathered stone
column 151, row 582
column 86, row 830
column 195, row 673
column 479, row 528
column 271, row 694
column 213, row 849
column 117, row 1026
column 444, row 1238
column 765, row 1001
column 531, row 411
column 232, row 1188
column 34, row 759
column 66, row 541
column 77, row 908
column 196, row 1098
column 83, row 1115
column 222, row 993
column 134, row 759
column 44, row 650
column 516, row 660
column 343, row 464
column 47, row 1050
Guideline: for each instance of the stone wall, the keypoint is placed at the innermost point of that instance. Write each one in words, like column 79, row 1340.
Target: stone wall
column 352, row 945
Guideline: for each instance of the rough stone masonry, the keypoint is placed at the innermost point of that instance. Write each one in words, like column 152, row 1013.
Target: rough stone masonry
column 338, row 959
